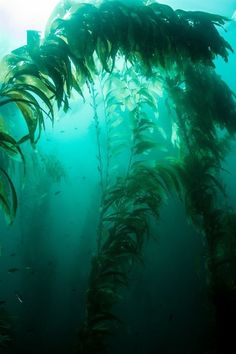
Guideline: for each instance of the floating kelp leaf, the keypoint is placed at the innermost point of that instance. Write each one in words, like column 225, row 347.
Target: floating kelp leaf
column 148, row 98
column 130, row 104
column 143, row 125
column 103, row 50
column 101, row 329
column 142, row 146
column 11, row 146
column 101, row 318
column 115, row 276
column 28, row 105
column 202, row 26
column 113, row 101
column 9, row 204
column 40, row 90
column 58, row 12
column 165, row 11
column 171, row 176
column 203, row 16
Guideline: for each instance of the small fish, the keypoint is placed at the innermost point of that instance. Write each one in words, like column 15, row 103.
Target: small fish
column 19, row 297
column 171, row 317
column 12, row 254
column 62, row 131
column 57, row 192
column 13, row 270
column 75, row 128
column 42, row 196
column 2, row 302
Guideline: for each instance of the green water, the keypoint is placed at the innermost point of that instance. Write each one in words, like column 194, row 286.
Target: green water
column 46, row 254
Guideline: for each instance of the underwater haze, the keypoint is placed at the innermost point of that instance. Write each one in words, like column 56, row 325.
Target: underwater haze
column 91, row 233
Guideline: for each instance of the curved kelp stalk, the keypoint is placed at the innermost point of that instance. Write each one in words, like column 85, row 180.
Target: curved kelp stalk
column 175, row 50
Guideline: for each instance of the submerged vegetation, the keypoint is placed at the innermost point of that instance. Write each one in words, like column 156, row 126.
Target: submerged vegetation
column 5, row 330
column 129, row 58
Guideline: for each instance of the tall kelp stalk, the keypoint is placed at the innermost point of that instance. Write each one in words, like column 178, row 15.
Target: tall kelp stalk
column 178, row 47
column 132, row 194
column 206, row 125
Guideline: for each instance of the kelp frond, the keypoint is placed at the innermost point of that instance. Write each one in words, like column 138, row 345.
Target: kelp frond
column 126, row 210
column 8, row 196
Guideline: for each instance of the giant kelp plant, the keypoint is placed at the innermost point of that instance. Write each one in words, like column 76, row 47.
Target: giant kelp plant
column 127, row 58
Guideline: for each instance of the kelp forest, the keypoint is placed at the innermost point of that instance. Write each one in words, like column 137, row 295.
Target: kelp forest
column 122, row 64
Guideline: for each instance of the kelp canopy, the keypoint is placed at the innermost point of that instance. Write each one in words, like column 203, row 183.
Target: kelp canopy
column 38, row 74
column 85, row 44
